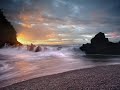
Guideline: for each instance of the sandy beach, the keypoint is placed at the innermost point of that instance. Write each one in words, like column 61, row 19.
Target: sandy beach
column 96, row 78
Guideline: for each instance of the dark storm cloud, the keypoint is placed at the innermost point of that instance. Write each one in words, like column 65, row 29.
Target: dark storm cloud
column 11, row 6
column 72, row 19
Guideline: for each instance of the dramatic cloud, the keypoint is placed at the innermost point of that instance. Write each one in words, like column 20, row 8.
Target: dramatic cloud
column 63, row 21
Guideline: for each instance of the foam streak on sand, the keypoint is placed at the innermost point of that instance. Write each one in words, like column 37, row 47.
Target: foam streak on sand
column 96, row 78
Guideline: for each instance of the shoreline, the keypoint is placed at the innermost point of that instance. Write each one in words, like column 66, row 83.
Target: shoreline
column 100, row 77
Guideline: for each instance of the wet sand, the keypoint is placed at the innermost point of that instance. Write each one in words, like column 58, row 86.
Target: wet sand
column 96, row 78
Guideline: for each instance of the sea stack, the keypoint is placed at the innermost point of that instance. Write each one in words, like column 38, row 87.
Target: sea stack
column 101, row 45
column 7, row 32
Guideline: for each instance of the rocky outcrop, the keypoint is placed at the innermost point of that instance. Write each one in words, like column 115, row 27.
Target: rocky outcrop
column 7, row 32
column 34, row 48
column 101, row 45
column 38, row 49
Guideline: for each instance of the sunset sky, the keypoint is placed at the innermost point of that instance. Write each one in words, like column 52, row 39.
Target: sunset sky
column 63, row 21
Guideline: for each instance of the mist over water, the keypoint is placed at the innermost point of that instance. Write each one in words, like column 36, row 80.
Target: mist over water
column 18, row 64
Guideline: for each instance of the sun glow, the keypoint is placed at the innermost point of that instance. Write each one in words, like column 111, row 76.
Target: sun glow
column 21, row 39
column 24, row 40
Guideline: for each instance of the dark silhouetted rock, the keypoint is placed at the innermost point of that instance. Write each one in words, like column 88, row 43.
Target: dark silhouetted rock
column 38, row 49
column 101, row 45
column 99, row 40
column 7, row 32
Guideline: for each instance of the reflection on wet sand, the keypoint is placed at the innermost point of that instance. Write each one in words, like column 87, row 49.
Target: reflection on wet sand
column 25, row 69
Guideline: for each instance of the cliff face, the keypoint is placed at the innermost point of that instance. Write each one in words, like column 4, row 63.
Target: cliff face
column 7, row 32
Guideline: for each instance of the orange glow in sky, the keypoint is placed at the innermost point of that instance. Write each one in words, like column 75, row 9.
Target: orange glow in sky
column 36, row 35
column 21, row 38
column 25, row 40
column 34, row 30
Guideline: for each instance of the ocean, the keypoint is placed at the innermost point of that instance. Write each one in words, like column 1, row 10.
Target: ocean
column 18, row 64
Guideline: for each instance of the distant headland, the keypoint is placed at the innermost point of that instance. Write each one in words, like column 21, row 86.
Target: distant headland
column 101, row 45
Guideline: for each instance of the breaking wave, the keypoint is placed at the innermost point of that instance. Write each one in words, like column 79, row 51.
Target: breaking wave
column 20, row 64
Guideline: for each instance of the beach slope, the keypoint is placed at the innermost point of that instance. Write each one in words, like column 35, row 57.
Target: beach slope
column 96, row 78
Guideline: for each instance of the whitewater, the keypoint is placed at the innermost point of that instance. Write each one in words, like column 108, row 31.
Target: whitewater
column 18, row 64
